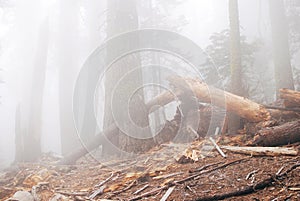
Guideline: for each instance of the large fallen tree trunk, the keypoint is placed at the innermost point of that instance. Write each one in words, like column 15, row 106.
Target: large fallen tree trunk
column 278, row 135
column 291, row 98
column 241, row 106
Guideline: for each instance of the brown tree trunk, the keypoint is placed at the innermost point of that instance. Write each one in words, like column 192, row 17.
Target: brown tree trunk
column 281, row 55
column 235, row 62
column 29, row 113
column 291, row 98
column 279, row 135
column 123, row 18
column 238, row 105
column 68, row 57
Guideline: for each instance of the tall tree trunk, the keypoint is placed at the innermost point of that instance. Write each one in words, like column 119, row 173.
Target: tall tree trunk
column 29, row 128
column 89, row 126
column 18, row 136
column 68, row 56
column 235, row 62
column 281, row 55
column 122, row 17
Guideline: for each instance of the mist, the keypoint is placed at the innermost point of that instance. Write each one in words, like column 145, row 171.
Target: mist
column 45, row 46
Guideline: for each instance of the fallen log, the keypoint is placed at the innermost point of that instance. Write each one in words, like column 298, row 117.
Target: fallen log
column 241, row 106
column 93, row 144
column 262, row 151
column 291, row 98
column 284, row 115
column 278, row 135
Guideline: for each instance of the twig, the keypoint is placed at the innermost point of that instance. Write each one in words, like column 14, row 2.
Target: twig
column 167, row 194
column 211, row 170
column 204, row 167
column 217, row 147
column 146, row 160
column 154, row 191
column 167, row 176
column 123, row 190
column 101, row 189
column 250, row 174
column 193, row 131
column 250, row 189
column 149, row 193
column 105, row 181
column 72, row 193
column 280, row 170
column 97, row 192
column 141, row 189
column 190, row 189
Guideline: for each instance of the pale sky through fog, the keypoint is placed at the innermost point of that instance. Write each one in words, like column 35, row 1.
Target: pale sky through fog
column 211, row 16
column 204, row 17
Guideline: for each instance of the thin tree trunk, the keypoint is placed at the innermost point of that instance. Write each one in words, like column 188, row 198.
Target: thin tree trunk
column 67, row 73
column 122, row 17
column 281, row 55
column 235, row 62
column 18, row 136
column 28, row 146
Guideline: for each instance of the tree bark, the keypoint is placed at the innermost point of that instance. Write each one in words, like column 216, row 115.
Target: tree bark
column 281, row 55
column 235, row 62
column 279, row 135
column 291, row 98
column 127, row 73
column 29, row 114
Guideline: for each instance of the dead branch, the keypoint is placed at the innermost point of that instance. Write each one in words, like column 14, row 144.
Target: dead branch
column 124, row 189
column 154, row 191
column 217, row 147
column 99, row 191
column 250, row 189
column 204, row 167
column 141, row 189
column 149, row 193
column 105, row 181
column 167, row 176
column 167, row 194
column 211, row 170
column 263, row 151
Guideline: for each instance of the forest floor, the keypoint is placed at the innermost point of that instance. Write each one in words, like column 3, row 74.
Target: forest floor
column 156, row 175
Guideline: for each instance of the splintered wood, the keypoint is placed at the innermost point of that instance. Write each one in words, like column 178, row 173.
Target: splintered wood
column 241, row 106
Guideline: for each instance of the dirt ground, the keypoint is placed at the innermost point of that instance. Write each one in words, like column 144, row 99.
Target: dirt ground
column 149, row 176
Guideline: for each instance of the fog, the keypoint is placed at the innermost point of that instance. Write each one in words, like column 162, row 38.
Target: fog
column 46, row 45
